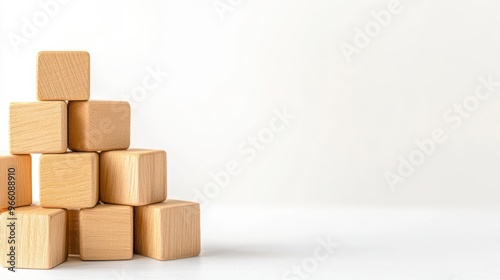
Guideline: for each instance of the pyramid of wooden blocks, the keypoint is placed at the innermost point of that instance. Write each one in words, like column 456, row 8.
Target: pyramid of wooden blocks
column 40, row 237
column 168, row 230
column 15, row 180
column 69, row 180
column 133, row 177
column 101, row 200
column 98, row 125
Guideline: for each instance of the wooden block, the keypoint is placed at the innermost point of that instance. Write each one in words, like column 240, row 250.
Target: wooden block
column 107, row 232
column 15, row 175
column 74, row 232
column 133, row 177
column 63, row 75
column 99, row 125
column 40, row 236
column 69, row 180
column 168, row 230
column 38, row 127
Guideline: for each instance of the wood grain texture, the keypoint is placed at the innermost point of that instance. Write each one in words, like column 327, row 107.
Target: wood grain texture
column 22, row 166
column 63, row 75
column 168, row 230
column 40, row 237
column 99, row 125
column 107, row 232
column 74, row 232
column 38, row 127
column 69, row 180
column 133, row 177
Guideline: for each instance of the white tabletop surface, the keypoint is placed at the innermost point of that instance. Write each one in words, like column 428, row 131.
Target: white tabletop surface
column 370, row 243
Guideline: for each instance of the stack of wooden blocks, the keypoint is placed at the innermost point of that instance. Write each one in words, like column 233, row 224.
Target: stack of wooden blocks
column 101, row 200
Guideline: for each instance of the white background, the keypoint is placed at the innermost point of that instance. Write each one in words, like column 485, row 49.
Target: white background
column 323, row 174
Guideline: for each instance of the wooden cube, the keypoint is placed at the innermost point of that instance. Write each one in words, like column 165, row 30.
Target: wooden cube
column 74, row 232
column 107, row 232
column 63, row 75
column 133, row 177
column 15, row 180
column 99, row 125
column 168, row 230
column 69, row 180
column 40, row 237
column 38, row 127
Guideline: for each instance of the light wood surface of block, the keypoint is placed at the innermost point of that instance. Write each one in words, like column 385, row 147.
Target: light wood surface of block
column 63, row 75
column 107, row 232
column 133, row 177
column 15, row 170
column 168, row 230
column 74, row 232
column 40, row 236
column 38, row 127
column 99, row 125
column 69, row 180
